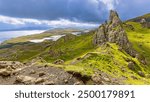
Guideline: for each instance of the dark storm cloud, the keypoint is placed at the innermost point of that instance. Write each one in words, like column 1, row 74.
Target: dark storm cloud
column 82, row 10
column 75, row 10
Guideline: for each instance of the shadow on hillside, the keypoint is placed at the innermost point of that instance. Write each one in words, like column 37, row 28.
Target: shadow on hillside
column 13, row 44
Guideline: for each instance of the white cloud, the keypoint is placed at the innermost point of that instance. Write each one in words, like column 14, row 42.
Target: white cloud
column 110, row 4
column 52, row 23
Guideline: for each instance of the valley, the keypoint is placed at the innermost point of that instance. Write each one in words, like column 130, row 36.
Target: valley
column 116, row 53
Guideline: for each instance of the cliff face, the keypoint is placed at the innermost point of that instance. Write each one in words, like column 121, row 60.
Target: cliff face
column 112, row 31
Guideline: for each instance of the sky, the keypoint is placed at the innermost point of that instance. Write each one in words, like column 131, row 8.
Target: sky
column 66, row 13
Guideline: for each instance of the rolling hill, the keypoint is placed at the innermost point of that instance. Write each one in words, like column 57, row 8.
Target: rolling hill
column 115, row 53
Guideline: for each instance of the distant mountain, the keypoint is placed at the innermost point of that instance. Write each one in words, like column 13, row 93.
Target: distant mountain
column 25, row 28
column 144, row 20
column 138, row 19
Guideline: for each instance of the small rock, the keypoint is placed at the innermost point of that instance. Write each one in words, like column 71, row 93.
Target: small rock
column 32, row 72
column 103, row 83
column 141, row 73
column 49, row 83
column 5, row 72
column 39, row 80
column 9, row 68
column 77, row 83
column 51, row 75
column 106, row 79
column 12, row 67
column 133, row 77
column 123, row 69
column 59, row 61
column 96, row 78
column 41, row 74
column 131, row 66
column 45, row 65
column 79, row 58
column 120, row 49
column 66, row 81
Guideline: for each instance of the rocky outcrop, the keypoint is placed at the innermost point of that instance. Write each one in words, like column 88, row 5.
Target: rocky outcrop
column 144, row 23
column 112, row 31
column 8, row 67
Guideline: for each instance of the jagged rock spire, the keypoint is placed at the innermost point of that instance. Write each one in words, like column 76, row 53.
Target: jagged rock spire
column 113, row 32
column 114, row 18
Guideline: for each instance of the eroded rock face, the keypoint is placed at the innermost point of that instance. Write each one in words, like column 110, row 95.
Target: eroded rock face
column 112, row 31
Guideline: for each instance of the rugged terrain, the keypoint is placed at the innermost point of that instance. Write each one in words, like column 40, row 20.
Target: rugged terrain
column 115, row 53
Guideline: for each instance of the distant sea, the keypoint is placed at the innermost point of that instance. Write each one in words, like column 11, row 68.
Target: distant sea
column 5, row 35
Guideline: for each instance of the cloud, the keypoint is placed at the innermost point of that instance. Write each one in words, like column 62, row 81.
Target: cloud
column 81, row 10
column 110, row 3
column 95, row 11
column 50, row 23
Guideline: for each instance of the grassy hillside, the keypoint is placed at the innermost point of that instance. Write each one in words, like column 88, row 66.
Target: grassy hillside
column 66, row 48
column 49, row 33
column 138, row 19
column 140, row 38
column 82, row 57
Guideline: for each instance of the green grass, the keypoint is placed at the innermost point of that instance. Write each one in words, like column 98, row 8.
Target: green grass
column 23, row 39
column 140, row 38
column 70, row 47
column 81, row 56
column 108, row 60
column 22, row 52
column 138, row 19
